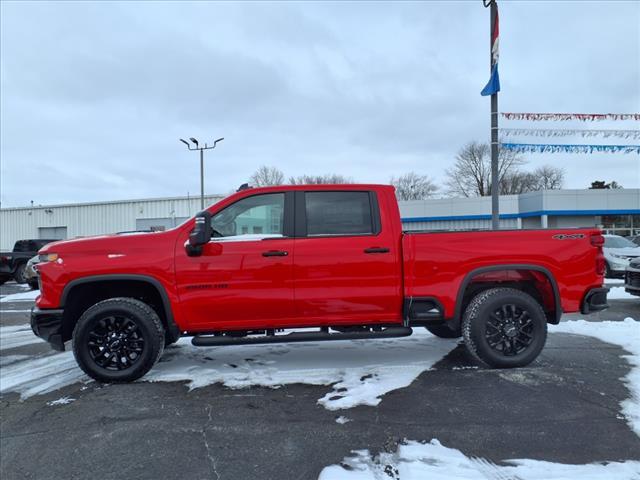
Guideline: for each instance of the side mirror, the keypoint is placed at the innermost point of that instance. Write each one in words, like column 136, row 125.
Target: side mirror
column 200, row 235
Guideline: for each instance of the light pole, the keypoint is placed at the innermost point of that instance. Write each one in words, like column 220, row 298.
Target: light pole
column 202, row 149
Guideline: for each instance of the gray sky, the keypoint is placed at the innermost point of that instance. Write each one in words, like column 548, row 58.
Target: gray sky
column 96, row 94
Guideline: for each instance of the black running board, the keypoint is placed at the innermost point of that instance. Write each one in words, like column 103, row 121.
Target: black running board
column 220, row 340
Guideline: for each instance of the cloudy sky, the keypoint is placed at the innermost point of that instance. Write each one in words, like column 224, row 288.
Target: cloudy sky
column 96, row 94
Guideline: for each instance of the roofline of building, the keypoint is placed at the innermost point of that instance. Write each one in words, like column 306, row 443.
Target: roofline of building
column 113, row 202
column 538, row 213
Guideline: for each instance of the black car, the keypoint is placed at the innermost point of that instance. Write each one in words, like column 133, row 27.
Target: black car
column 13, row 264
column 632, row 277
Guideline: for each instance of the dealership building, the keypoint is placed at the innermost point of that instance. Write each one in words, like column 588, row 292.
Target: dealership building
column 616, row 211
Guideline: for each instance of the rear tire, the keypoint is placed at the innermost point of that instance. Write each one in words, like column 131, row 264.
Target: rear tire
column 118, row 340
column 18, row 275
column 504, row 328
column 443, row 331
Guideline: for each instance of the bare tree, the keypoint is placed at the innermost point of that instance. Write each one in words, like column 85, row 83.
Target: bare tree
column 412, row 186
column 549, row 177
column 515, row 182
column 470, row 176
column 330, row 178
column 267, row 176
column 546, row 177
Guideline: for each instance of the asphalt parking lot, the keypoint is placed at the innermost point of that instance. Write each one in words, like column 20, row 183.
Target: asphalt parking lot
column 565, row 407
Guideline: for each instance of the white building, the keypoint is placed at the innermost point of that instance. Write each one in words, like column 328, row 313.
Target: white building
column 617, row 211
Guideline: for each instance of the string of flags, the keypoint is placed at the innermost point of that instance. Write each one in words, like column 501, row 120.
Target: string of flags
column 550, row 132
column 563, row 117
column 555, row 148
column 570, row 148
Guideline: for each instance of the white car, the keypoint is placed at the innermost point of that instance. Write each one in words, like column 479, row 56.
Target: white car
column 618, row 252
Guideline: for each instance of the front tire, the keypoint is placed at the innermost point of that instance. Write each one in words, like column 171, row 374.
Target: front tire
column 504, row 328
column 18, row 275
column 118, row 340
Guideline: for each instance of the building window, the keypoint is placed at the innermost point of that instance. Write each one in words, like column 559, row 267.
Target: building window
column 623, row 225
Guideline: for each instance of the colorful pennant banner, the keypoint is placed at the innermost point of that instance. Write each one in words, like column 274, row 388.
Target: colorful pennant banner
column 584, row 117
column 549, row 148
column 549, row 132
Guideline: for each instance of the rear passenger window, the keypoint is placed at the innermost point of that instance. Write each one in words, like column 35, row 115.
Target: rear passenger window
column 338, row 213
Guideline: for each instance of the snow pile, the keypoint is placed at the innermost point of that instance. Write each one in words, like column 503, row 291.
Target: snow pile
column 434, row 461
column 21, row 297
column 627, row 335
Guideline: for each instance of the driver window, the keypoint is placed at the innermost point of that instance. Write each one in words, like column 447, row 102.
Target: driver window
column 260, row 215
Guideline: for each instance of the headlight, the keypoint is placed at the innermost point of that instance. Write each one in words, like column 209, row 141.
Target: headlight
column 48, row 257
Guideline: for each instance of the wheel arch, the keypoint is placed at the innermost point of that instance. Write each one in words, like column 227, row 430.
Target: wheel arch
column 554, row 314
column 101, row 287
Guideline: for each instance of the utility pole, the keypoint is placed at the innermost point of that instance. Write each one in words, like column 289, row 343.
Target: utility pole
column 202, row 149
column 495, row 193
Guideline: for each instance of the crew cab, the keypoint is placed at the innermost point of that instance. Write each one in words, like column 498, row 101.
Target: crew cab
column 266, row 262
column 14, row 263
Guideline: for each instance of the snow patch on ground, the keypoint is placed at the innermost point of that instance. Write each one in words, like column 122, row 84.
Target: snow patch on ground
column 61, row 401
column 434, row 461
column 17, row 336
column 21, row 297
column 342, row 420
column 627, row 335
column 617, row 293
column 39, row 375
column 360, row 372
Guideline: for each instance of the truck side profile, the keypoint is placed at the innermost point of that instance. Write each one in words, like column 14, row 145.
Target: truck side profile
column 264, row 262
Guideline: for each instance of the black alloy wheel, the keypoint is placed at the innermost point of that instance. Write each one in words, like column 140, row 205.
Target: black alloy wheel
column 115, row 342
column 509, row 329
column 504, row 328
column 118, row 340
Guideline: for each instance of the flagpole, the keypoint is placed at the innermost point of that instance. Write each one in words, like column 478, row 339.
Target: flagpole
column 495, row 194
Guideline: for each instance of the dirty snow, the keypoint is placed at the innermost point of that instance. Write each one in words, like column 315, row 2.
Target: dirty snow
column 21, row 297
column 434, row 461
column 626, row 334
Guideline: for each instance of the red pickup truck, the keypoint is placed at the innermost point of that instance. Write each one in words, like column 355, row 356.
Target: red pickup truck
column 264, row 262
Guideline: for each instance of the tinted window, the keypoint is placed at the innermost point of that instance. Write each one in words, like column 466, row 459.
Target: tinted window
column 338, row 213
column 260, row 215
